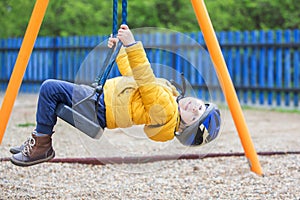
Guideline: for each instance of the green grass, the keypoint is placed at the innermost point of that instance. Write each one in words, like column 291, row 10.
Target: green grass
column 285, row 110
column 28, row 124
column 261, row 108
column 279, row 109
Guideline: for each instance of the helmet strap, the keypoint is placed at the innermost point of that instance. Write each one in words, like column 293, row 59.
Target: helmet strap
column 182, row 87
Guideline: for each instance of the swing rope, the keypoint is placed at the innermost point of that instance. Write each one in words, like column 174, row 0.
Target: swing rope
column 113, row 52
column 68, row 114
column 124, row 11
column 111, row 55
column 115, row 17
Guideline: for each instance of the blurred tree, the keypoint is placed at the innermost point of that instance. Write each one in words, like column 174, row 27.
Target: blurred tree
column 84, row 17
column 94, row 17
column 14, row 17
column 254, row 14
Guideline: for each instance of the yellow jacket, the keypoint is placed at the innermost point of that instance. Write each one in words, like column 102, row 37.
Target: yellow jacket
column 138, row 97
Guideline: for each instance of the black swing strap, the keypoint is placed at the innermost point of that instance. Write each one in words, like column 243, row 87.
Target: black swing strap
column 104, row 75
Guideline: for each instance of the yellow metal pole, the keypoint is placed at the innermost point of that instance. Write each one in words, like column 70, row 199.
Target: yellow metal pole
column 14, row 84
column 226, row 83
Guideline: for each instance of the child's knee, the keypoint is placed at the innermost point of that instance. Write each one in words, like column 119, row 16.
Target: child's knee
column 48, row 86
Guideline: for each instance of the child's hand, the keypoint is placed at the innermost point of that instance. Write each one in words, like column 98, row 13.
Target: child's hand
column 125, row 35
column 112, row 41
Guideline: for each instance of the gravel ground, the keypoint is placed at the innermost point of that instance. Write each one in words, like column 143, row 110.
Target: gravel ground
column 207, row 178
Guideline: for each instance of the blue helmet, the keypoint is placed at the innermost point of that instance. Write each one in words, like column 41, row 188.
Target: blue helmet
column 203, row 130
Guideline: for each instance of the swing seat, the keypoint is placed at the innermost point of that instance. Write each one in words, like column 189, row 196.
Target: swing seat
column 79, row 121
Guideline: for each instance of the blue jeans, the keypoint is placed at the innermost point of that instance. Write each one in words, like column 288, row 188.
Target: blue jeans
column 53, row 92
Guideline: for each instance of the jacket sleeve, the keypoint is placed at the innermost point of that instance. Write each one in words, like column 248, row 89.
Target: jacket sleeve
column 139, row 64
column 159, row 102
column 123, row 64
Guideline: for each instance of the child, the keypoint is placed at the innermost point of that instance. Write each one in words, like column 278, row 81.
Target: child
column 135, row 98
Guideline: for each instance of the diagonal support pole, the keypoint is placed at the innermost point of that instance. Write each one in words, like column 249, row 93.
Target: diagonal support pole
column 226, row 84
column 14, row 84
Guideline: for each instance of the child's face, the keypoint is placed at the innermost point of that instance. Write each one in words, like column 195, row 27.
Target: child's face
column 191, row 109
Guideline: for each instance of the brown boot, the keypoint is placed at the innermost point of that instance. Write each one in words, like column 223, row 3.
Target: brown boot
column 37, row 149
column 18, row 149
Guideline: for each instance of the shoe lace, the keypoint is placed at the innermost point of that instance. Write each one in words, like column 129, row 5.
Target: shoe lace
column 28, row 144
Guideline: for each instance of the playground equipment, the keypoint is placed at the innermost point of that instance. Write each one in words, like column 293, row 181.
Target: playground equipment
column 88, row 124
column 214, row 50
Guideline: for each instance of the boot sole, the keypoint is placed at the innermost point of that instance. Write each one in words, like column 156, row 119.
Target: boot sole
column 26, row 164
